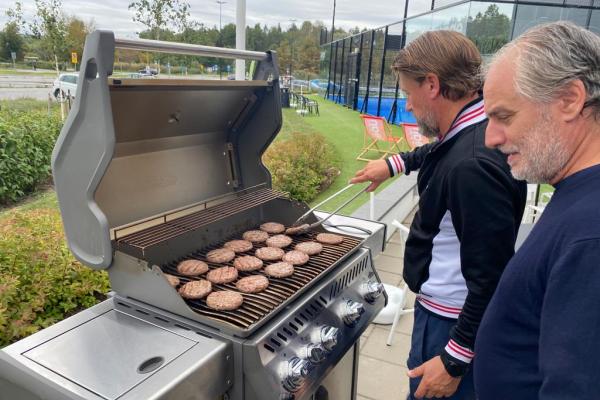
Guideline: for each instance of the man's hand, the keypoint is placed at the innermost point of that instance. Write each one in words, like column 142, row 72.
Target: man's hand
column 376, row 171
column 435, row 381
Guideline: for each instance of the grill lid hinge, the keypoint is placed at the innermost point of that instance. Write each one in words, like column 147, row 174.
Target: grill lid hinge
column 229, row 153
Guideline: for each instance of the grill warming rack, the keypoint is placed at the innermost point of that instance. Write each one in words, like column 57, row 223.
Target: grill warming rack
column 170, row 225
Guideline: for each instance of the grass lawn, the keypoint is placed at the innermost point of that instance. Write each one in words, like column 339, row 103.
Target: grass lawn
column 344, row 129
column 10, row 71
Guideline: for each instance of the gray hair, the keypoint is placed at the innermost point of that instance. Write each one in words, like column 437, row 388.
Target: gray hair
column 550, row 56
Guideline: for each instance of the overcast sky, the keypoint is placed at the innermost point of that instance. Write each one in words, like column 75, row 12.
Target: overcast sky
column 114, row 15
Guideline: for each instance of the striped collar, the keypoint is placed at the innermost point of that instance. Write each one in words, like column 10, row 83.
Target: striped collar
column 471, row 114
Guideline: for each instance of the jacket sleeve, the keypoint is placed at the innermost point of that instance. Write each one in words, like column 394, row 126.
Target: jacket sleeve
column 569, row 355
column 482, row 200
column 408, row 161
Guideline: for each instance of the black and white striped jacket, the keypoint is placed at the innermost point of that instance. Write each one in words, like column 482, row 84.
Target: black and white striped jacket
column 464, row 232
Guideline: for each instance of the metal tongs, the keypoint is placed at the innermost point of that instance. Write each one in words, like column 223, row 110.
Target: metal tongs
column 304, row 228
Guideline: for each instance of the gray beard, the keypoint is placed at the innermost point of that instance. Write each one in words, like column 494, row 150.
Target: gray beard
column 427, row 127
column 543, row 153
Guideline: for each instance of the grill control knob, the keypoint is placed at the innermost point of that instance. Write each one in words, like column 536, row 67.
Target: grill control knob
column 373, row 290
column 353, row 312
column 296, row 373
column 315, row 353
column 329, row 337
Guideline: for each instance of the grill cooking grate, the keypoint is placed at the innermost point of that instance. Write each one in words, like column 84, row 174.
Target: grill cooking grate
column 280, row 291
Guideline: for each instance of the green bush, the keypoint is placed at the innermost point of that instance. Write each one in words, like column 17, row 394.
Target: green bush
column 40, row 281
column 303, row 166
column 26, row 142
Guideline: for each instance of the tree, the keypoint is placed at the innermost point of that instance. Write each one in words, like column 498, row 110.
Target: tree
column 11, row 41
column 50, row 27
column 490, row 30
column 76, row 31
column 156, row 15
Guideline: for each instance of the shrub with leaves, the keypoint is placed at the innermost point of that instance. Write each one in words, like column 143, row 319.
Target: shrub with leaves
column 304, row 165
column 26, row 142
column 40, row 281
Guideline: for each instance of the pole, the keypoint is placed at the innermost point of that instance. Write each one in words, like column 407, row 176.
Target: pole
column 333, row 22
column 240, row 38
column 220, row 3
column 292, row 20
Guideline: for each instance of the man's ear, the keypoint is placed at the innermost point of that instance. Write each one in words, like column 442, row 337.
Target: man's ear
column 432, row 85
column 571, row 100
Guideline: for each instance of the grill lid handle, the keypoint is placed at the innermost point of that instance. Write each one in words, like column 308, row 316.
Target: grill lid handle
column 189, row 49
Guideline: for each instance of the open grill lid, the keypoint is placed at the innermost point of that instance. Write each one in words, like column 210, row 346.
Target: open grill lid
column 135, row 148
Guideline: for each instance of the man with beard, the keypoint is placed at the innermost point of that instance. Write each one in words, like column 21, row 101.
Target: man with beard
column 470, row 209
column 539, row 338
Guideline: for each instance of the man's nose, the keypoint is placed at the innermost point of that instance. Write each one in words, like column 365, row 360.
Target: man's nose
column 494, row 135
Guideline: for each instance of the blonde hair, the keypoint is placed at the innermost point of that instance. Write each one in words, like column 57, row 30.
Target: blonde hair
column 450, row 55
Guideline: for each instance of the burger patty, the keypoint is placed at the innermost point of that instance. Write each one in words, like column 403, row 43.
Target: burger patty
column 173, row 280
column 279, row 270
column 252, row 284
column 296, row 230
column 329, row 238
column 224, row 300
column 272, row 227
column 269, row 253
column 247, row 263
column 239, row 246
column 295, row 257
column 255, row 236
column 280, row 241
column 310, row 248
column 220, row 256
column 195, row 289
column 222, row 275
column 192, row 267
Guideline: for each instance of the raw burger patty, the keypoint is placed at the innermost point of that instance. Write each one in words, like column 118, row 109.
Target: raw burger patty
column 295, row 257
column 192, row 267
column 296, row 230
column 280, row 241
column 310, row 248
column 173, row 280
column 279, row 270
column 252, row 284
column 222, row 275
column 220, row 256
column 329, row 238
column 195, row 289
column 247, row 263
column 224, row 300
column 239, row 246
column 272, row 227
column 255, row 236
column 269, row 253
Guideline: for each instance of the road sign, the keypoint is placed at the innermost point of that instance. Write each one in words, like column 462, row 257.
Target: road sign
column 13, row 55
column 74, row 57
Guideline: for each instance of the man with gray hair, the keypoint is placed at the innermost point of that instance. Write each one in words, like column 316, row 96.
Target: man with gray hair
column 540, row 335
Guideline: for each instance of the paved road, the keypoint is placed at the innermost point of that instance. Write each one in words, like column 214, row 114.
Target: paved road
column 20, row 86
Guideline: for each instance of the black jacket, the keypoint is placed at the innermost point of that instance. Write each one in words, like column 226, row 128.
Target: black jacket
column 474, row 185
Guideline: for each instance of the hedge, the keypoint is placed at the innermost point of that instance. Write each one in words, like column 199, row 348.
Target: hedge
column 26, row 142
column 303, row 165
column 40, row 281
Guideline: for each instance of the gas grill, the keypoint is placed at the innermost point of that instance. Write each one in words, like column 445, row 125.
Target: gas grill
column 151, row 172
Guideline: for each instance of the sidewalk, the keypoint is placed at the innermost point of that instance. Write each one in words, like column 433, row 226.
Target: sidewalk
column 382, row 369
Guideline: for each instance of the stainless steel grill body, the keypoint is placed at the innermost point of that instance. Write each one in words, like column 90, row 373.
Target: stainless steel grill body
column 149, row 172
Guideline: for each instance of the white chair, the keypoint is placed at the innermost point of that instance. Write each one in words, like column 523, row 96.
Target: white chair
column 396, row 297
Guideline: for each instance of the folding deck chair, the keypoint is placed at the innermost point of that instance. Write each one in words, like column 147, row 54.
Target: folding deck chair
column 378, row 138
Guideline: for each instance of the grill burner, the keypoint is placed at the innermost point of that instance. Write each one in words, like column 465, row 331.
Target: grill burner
column 280, row 291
